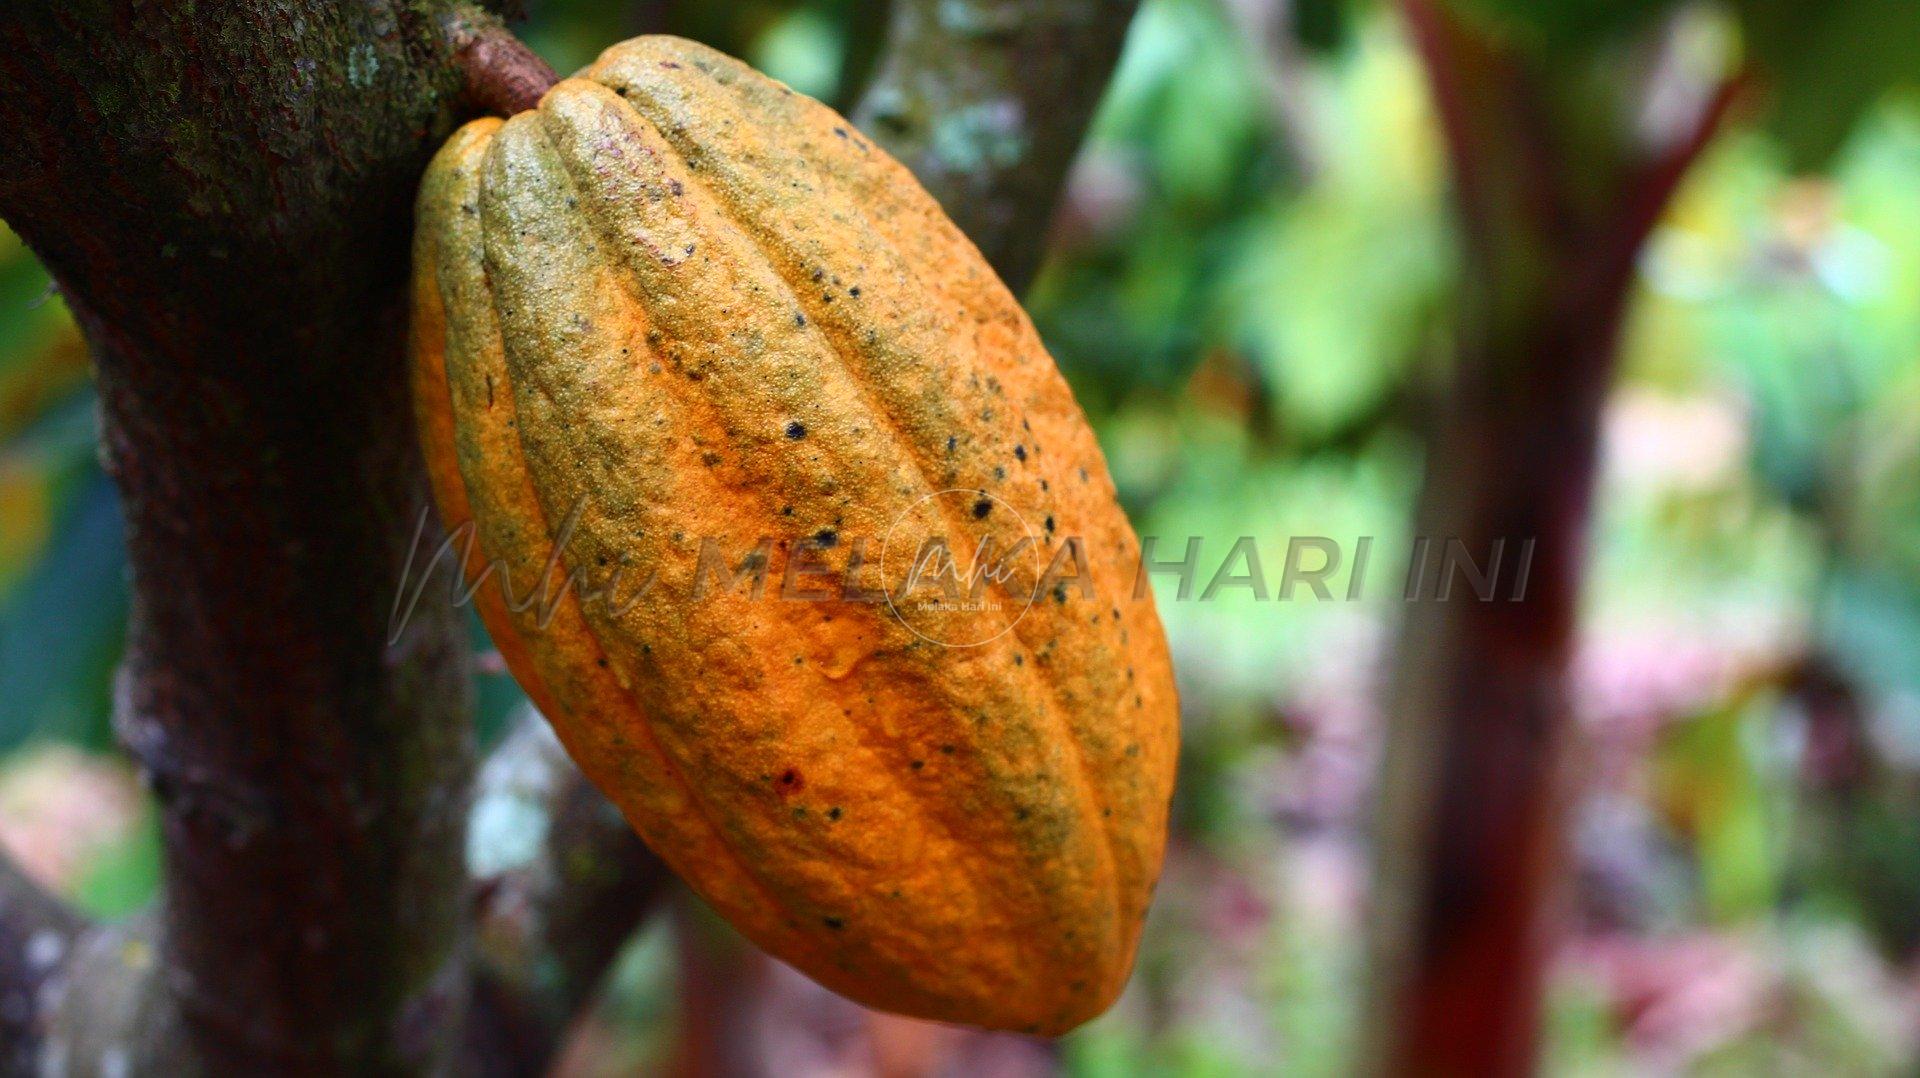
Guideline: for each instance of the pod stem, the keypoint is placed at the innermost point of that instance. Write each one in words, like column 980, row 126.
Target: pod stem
column 502, row 76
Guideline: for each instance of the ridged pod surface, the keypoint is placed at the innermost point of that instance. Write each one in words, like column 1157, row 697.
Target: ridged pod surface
column 680, row 309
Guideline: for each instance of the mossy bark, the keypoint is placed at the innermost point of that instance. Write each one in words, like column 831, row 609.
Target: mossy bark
column 987, row 102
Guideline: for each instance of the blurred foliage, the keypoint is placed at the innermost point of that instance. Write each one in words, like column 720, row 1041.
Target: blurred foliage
column 1247, row 290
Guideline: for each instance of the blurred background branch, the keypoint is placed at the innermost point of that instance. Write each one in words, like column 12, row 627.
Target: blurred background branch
column 1555, row 210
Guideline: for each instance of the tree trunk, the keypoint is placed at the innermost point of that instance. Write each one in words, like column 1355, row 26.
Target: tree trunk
column 223, row 193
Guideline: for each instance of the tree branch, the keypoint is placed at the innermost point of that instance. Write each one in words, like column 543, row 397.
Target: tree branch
column 561, row 883
column 987, row 102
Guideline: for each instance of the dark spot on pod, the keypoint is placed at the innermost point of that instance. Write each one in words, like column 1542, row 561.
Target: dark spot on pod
column 710, row 458
column 786, row 510
column 799, row 319
column 999, row 472
column 670, row 64
column 677, row 188
column 826, row 537
column 819, row 275
column 981, row 508
column 833, row 813
column 948, row 750
column 796, row 430
column 1019, row 451
column 800, row 813
column 1083, row 475
column 841, row 131
column 1021, row 814
column 1060, row 592
column 601, row 661
column 1044, row 486
column 1106, row 813
column 799, row 660
column 789, row 781
column 953, row 442
column 854, row 291
column 1019, row 659
column 834, row 923
column 1049, row 524
column 918, row 764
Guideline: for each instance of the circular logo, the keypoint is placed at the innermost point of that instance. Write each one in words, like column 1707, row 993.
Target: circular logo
column 961, row 566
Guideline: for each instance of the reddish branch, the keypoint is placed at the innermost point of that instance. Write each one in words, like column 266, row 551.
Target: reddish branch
column 1475, row 791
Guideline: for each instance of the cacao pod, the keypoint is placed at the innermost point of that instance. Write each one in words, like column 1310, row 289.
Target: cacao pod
column 678, row 309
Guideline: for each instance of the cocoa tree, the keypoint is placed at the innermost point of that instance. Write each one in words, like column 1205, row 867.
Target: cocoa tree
column 222, row 192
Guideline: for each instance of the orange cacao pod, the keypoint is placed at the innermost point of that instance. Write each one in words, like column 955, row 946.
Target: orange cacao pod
column 681, row 309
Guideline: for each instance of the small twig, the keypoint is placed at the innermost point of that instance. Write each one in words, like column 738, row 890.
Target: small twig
column 503, row 76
